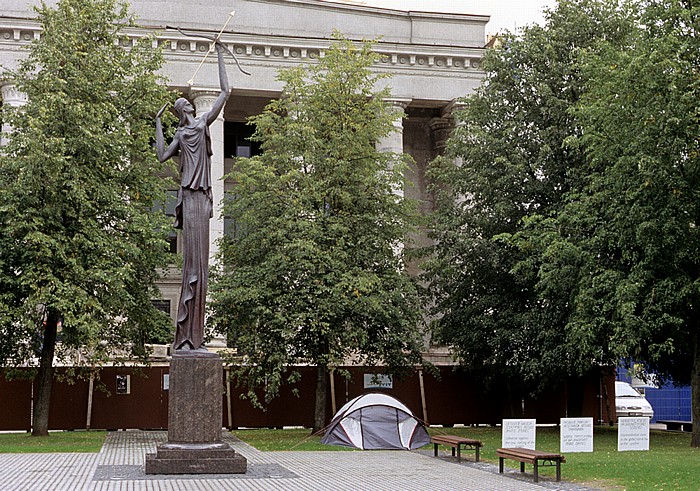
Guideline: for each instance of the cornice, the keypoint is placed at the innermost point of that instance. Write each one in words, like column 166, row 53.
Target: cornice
column 14, row 31
column 256, row 49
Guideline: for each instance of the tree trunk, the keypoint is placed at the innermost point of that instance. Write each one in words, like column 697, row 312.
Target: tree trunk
column 40, row 424
column 695, row 394
column 321, row 398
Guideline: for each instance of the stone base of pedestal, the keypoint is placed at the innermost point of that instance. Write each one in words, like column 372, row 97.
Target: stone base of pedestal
column 195, row 459
column 194, row 420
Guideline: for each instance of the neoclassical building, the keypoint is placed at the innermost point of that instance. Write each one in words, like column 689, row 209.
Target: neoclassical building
column 434, row 59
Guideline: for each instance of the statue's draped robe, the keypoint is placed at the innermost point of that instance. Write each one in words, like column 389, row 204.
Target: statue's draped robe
column 194, row 209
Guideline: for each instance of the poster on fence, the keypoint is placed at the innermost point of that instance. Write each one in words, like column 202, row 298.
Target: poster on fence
column 518, row 433
column 632, row 434
column 576, row 435
column 378, row 381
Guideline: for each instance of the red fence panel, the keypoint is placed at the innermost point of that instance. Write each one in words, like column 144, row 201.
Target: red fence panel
column 131, row 398
column 15, row 404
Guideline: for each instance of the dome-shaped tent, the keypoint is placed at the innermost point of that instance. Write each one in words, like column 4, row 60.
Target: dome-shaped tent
column 376, row 421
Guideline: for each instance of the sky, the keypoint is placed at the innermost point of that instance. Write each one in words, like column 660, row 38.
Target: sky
column 505, row 14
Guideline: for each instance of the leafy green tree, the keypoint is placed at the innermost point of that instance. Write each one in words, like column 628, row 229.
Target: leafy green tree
column 79, row 246
column 514, row 165
column 633, row 229
column 314, row 272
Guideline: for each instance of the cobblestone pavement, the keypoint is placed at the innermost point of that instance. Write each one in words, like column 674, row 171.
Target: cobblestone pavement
column 119, row 466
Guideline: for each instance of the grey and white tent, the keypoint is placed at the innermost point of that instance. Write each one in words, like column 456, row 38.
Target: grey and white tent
column 376, row 421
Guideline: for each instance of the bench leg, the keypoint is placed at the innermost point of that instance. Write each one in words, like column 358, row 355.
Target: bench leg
column 558, row 470
column 453, row 451
column 477, row 453
column 537, row 477
column 435, row 450
column 500, row 465
column 522, row 466
column 459, row 453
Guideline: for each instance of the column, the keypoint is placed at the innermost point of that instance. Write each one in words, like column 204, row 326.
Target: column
column 14, row 98
column 203, row 99
column 393, row 142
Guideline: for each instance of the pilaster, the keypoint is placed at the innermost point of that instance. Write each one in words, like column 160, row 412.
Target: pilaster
column 443, row 126
column 441, row 129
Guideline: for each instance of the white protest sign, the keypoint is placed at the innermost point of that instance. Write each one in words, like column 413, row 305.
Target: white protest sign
column 518, row 433
column 632, row 434
column 576, row 435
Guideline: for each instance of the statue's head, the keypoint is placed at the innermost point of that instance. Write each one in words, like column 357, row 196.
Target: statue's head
column 182, row 107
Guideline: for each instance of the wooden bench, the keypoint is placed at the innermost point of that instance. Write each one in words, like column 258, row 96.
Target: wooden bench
column 456, row 442
column 527, row 456
column 674, row 425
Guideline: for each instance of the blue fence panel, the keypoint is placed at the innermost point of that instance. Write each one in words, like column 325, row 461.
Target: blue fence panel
column 669, row 402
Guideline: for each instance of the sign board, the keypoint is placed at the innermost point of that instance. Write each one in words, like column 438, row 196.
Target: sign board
column 123, row 384
column 576, row 435
column 632, row 434
column 378, row 381
column 518, row 433
column 166, row 381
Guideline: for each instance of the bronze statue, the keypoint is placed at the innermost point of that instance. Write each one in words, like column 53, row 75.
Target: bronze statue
column 194, row 207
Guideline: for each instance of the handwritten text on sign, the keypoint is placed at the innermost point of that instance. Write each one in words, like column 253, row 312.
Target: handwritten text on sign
column 633, row 434
column 518, row 433
column 576, row 435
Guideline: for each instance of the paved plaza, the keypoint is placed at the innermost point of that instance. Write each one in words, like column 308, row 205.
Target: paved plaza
column 119, row 466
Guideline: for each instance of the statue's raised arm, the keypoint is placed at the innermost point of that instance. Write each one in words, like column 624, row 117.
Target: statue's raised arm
column 223, row 82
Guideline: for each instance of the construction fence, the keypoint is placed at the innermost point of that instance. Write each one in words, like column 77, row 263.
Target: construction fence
column 115, row 398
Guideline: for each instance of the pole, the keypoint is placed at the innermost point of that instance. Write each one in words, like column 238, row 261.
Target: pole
column 228, row 398
column 332, row 376
column 89, row 403
column 422, row 396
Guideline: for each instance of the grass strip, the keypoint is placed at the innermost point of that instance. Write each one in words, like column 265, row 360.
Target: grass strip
column 56, row 442
column 293, row 439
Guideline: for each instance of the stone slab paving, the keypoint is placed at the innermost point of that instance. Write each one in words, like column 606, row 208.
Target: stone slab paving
column 119, row 467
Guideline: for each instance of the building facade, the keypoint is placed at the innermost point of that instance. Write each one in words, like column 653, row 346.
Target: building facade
column 434, row 59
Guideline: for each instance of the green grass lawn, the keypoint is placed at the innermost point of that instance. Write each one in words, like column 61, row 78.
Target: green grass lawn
column 60, row 441
column 297, row 439
column 670, row 464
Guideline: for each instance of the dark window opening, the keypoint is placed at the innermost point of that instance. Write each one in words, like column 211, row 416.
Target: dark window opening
column 162, row 305
column 237, row 140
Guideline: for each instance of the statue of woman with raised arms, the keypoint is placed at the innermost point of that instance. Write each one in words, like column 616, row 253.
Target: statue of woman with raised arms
column 194, row 207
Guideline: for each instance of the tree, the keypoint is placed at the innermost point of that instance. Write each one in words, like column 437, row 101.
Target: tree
column 79, row 245
column 634, row 225
column 314, row 272
column 514, row 166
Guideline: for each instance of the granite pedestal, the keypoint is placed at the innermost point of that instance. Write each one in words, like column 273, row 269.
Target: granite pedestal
column 194, row 420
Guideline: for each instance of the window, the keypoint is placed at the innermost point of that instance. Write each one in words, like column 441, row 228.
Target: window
column 237, row 140
column 237, row 144
column 162, row 305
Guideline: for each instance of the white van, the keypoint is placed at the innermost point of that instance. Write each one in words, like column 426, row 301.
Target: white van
column 629, row 402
